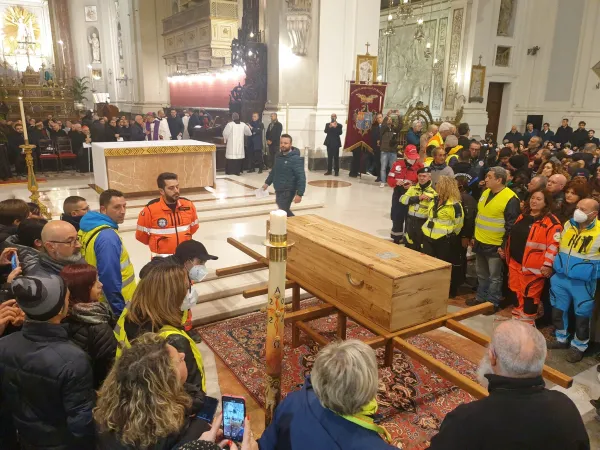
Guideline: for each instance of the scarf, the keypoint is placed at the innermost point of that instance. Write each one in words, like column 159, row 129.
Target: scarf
column 364, row 418
column 435, row 166
column 156, row 127
column 93, row 313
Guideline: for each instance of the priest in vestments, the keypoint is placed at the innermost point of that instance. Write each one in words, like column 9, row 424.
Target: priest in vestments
column 155, row 129
column 234, row 134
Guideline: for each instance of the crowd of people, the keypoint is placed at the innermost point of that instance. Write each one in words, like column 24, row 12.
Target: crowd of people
column 527, row 210
column 91, row 128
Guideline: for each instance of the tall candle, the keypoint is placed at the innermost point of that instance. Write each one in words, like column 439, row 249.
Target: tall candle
column 278, row 222
column 23, row 120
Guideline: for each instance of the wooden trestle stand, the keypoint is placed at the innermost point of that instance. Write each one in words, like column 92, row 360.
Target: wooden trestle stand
column 348, row 308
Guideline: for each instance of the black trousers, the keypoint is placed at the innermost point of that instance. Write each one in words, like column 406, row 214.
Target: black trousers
column 398, row 214
column 375, row 166
column 273, row 149
column 355, row 167
column 284, row 201
column 447, row 249
column 413, row 232
column 233, row 166
column 255, row 160
column 333, row 159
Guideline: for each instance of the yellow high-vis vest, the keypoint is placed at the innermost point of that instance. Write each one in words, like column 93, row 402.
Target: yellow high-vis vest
column 446, row 220
column 165, row 332
column 88, row 240
column 489, row 224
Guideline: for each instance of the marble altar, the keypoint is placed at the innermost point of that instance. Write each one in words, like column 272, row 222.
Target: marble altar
column 132, row 167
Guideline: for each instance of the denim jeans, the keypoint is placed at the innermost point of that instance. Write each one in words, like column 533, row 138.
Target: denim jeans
column 387, row 160
column 489, row 276
column 284, row 201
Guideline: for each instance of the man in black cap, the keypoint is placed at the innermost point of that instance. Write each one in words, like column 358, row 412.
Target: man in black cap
column 417, row 199
column 46, row 382
column 192, row 255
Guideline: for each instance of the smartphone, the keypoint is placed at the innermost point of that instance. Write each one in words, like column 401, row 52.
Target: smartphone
column 209, row 409
column 14, row 261
column 234, row 415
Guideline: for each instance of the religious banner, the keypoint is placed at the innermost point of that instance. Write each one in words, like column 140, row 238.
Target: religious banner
column 366, row 101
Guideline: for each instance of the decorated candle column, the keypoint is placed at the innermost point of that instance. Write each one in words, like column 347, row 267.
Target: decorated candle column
column 278, row 247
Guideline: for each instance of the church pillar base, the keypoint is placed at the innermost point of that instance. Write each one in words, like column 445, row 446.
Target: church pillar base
column 477, row 118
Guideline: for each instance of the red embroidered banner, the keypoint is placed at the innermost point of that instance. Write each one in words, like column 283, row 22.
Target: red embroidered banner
column 366, row 101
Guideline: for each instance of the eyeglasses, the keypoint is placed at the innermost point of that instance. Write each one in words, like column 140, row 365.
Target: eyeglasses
column 71, row 242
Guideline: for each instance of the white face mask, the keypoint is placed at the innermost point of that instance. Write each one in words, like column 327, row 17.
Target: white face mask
column 198, row 273
column 190, row 299
column 580, row 216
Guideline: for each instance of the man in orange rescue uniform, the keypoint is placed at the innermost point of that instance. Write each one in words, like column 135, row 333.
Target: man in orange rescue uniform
column 167, row 221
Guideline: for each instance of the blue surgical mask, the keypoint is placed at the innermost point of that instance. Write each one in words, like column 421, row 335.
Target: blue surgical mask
column 198, row 273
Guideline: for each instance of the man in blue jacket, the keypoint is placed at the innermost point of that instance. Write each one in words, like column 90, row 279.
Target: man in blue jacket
column 287, row 176
column 529, row 133
column 103, row 248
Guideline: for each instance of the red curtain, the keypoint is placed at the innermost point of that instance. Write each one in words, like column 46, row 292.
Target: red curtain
column 207, row 91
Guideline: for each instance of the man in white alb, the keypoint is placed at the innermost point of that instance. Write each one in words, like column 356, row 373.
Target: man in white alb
column 233, row 134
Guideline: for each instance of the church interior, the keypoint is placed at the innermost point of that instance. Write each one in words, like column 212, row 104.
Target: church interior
column 490, row 67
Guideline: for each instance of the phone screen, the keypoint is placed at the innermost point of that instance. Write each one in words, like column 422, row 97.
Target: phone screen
column 234, row 414
column 14, row 262
column 209, row 409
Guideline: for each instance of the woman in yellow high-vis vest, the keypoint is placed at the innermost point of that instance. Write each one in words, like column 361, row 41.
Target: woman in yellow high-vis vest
column 156, row 307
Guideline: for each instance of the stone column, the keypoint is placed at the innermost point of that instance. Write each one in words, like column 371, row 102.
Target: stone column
column 61, row 30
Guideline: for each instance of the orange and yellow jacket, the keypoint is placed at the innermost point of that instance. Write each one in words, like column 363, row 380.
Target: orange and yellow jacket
column 163, row 229
column 542, row 244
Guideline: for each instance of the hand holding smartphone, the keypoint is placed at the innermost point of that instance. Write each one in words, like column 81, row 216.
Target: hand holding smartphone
column 14, row 261
column 234, row 415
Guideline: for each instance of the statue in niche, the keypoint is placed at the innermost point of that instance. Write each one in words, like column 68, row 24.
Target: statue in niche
column 505, row 17
column 95, row 43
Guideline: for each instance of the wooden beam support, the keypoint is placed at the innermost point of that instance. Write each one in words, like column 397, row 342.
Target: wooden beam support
column 548, row 373
column 322, row 341
column 263, row 290
column 342, row 321
column 440, row 322
column 295, row 309
column 225, row 271
column 310, row 313
column 248, row 251
column 376, row 342
column 388, row 359
column 466, row 384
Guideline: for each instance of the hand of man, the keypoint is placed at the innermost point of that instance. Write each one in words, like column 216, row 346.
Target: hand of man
column 423, row 197
column 530, row 164
column 269, row 142
column 265, row 187
column 6, row 255
column 147, row 131
column 8, row 313
column 297, row 199
column 14, row 274
column 465, row 242
column 546, row 271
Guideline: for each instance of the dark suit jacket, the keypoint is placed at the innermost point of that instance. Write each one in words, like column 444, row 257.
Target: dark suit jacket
column 547, row 136
column 563, row 134
column 176, row 126
column 333, row 136
column 376, row 133
column 77, row 140
column 137, row 132
column 273, row 134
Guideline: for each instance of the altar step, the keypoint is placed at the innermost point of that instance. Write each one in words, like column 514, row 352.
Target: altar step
column 233, row 211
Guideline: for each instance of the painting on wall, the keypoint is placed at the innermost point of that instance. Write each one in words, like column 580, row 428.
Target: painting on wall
column 91, row 13
column 366, row 69
column 97, row 74
column 477, row 84
column 407, row 70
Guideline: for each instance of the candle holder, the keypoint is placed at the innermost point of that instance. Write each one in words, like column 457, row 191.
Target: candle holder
column 32, row 185
column 277, row 246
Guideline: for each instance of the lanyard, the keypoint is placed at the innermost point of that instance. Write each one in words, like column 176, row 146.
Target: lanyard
column 363, row 419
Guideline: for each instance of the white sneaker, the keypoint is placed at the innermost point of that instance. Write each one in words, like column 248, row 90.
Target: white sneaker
column 382, row 185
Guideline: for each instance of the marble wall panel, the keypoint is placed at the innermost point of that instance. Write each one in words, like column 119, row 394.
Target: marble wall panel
column 454, row 58
column 133, row 174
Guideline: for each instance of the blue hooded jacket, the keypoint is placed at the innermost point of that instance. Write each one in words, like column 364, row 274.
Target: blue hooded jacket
column 107, row 247
column 302, row 422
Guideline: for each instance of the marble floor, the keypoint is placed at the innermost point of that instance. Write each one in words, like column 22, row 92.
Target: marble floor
column 232, row 210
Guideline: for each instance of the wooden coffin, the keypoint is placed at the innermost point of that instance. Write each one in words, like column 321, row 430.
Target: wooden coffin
column 391, row 285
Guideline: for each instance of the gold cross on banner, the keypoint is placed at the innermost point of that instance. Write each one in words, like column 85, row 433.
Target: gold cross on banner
column 368, row 45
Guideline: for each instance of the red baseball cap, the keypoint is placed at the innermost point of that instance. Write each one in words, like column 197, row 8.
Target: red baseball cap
column 411, row 152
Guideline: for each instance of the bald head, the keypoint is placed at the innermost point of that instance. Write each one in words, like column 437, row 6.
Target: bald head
column 556, row 183
column 57, row 230
column 451, row 141
column 517, row 350
column 588, row 206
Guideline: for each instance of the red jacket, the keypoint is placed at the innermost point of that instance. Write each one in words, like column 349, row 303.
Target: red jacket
column 401, row 171
column 162, row 229
column 542, row 244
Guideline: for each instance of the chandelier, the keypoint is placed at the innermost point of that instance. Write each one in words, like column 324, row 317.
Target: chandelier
column 404, row 11
column 419, row 32
column 389, row 29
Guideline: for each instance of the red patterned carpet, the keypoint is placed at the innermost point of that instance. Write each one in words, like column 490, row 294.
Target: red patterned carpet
column 412, row 399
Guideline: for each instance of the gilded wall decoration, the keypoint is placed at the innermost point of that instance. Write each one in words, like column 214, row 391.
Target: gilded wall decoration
column 453, row 60
column 21, row 31
column 438, row 68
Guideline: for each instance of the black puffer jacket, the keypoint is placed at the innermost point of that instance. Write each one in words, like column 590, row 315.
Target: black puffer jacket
column 46, row 385
column 28, row 256
column 6, row 231
column 90, row 326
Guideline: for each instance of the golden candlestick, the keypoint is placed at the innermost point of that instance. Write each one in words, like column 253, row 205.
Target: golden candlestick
column 32, row 185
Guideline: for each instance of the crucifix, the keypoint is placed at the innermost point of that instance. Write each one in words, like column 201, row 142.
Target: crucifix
column 26, row 44
column 480, row 59
column 368, row 45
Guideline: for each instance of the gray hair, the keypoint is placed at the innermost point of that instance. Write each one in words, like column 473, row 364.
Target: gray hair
column 345, row 376
column 235, row 116
column 416, row 123
column 445, row 126
column 451, row 141
column 500, row 172
column 520, row 349
column 543, row 181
